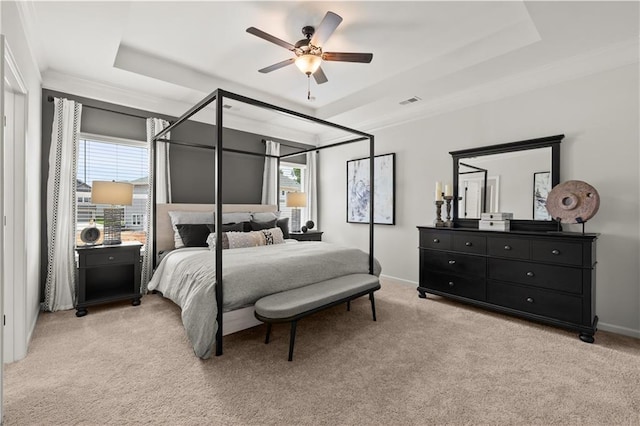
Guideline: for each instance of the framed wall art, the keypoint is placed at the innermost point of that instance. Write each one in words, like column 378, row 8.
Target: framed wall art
column 358, row 195
column 541, row 189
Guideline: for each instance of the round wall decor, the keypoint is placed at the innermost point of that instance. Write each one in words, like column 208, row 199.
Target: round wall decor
column 573, row 201
column 90, row 235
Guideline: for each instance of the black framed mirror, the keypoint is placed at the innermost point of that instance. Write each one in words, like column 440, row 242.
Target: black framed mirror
column 512, row 177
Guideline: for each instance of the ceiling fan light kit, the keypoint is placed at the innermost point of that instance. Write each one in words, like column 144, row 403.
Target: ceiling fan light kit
column 308, row 63
column 308, row 51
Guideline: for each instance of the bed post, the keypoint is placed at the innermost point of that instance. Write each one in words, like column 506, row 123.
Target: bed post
column 218, row 217
column 372, row 154
column 152, row 188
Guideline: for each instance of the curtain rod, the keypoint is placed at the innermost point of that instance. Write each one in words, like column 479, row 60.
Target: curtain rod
column 284, row 144
column 50, row 99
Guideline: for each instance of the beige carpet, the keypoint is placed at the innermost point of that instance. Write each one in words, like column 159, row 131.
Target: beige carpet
column 423, row 362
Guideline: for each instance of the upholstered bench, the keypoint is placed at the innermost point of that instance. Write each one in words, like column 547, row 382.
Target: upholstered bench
column 292, row 305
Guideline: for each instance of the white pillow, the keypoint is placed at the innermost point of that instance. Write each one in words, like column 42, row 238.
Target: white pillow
column 265, row 217
column 188, row 217
column 235, row 217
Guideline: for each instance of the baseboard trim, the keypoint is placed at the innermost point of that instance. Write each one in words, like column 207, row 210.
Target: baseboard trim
column 399, row 280
column 619, row 330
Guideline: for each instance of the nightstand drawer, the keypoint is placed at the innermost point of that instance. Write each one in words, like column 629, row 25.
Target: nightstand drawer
column 111, row 257
column 536, row 301
column 306, row 236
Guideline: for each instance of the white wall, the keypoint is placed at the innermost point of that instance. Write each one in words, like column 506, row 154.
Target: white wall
column 16, row 39
column 599, row 115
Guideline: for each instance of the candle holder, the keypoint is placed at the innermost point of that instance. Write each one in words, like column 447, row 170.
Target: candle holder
column 438, row 222
column 448, row 223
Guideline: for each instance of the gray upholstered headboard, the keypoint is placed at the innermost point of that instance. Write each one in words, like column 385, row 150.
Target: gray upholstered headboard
column 164, row 230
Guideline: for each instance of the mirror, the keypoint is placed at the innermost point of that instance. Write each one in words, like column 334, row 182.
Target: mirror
column 512, row 178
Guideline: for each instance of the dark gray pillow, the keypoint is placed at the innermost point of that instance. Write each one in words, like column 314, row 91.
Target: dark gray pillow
column 258, row 226
column 284, row 225
column 229, row 227
column 194, row 235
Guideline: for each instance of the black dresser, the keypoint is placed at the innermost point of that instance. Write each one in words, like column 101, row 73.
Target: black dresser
column 545, row 277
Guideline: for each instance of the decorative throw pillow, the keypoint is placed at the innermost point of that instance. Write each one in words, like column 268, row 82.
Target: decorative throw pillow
column 187, row 218
column 231, row 240
column 194, row 235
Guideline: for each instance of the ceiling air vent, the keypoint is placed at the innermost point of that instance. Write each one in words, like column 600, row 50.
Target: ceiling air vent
column 411, row 100
column 226, row 106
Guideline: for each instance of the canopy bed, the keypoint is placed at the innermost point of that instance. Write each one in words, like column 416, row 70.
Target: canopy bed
column 276, row 267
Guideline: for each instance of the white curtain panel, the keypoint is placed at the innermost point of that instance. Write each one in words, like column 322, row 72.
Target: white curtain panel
column 160, row 179
column 270, row 177
column 311, row 187
column 60, row 283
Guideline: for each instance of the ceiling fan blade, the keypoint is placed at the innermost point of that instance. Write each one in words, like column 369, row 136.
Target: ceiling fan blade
column 319, row 76
column 328, row 25
column 347, row 57
column 277, row 66
column 275, row 40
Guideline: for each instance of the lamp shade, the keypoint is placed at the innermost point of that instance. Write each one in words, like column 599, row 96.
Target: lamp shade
column 308, row 64
column 114, row 193
column 296, row 199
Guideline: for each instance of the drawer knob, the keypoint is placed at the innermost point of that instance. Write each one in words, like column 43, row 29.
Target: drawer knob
column 452, row 262
column 450, row 283
column 530, row 299
column 468, row 244
column 507, row 247
column 111, row 257
column 435, row 240
column 556, row 252
column 530, row 274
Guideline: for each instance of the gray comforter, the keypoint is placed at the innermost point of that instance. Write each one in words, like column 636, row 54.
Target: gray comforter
column 187, row 277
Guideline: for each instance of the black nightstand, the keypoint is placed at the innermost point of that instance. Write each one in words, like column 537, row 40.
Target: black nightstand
column 107, row 274
column 306, row 236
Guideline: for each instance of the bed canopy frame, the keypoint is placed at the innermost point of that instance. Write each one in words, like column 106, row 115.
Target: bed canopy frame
column 217, row 97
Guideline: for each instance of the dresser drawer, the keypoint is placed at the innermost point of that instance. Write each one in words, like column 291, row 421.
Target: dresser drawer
column 453, row 263
column 470, row 243
column 536, row 301
column 538, row 275
column 108, row 258
column 557, row 252
column 516, row 248
column 473, row 288
column 435, row 240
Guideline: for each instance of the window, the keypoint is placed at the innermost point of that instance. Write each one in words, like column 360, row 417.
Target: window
column 136, row 219
column 292, row 179
column 104, row 158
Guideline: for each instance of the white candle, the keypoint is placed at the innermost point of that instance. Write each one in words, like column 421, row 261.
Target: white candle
column 448, row 190
column 438, row 191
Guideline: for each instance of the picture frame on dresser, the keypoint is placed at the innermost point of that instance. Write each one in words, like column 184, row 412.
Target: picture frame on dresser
column 384, row 197
column 541, row 189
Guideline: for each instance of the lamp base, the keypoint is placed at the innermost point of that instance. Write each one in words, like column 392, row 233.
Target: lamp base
column 113, row 218
column 295, row 220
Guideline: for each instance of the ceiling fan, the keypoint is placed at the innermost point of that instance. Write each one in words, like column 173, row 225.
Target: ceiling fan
column 308, row 51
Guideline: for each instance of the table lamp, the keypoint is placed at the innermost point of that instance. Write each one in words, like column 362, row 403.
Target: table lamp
column 114, row 194
column 296, row 200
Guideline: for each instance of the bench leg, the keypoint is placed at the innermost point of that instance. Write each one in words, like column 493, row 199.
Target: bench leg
column 292, row 339
column 373, row 305
column 266, row 340
column 348, row 305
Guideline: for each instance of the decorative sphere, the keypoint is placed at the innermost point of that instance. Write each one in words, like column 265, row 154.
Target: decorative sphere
column 304, row 229
column 310, row 224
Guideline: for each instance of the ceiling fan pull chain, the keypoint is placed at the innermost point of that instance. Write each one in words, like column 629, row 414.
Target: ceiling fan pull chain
column 309, row 87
